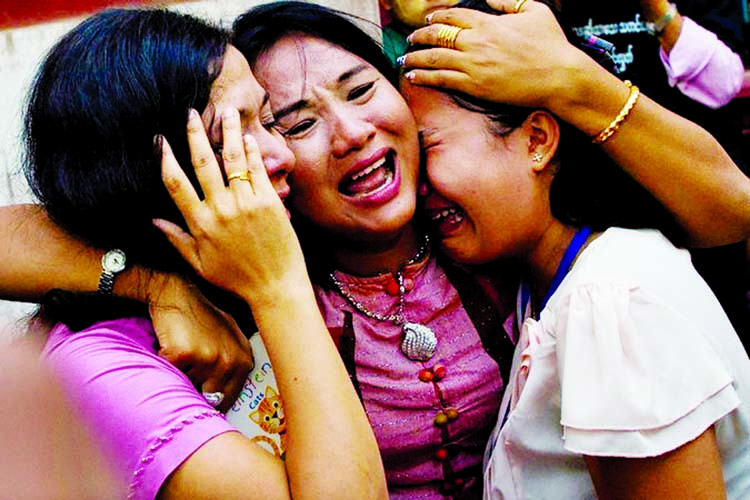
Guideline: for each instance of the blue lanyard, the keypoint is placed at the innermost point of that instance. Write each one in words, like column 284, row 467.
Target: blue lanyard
column 562, row 270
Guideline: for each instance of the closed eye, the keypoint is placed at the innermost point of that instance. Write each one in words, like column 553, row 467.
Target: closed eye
column 361, row 91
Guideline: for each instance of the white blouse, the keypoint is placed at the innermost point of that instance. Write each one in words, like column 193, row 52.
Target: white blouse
column 632, row 357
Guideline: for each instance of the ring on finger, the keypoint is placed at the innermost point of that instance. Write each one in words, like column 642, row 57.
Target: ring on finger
column 447, row 35
column 242, row 176
column 214, row 398
column 518, row 6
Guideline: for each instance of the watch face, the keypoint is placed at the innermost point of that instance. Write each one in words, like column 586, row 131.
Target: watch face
column 113, row 261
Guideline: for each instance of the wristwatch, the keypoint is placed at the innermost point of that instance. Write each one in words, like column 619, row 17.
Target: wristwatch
column 113, row 263
column 657, row 27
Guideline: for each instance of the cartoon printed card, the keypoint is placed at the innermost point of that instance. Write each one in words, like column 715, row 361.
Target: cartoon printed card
column 258, row 412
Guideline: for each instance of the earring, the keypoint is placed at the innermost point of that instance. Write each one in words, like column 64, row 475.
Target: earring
column 536, row 157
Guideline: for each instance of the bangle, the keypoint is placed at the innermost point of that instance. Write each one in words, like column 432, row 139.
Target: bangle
column 657, row 27
column 621, row 116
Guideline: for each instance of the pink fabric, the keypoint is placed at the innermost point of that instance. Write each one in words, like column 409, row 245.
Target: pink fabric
column 400, row 406
column 145, row 414
column 703, row 67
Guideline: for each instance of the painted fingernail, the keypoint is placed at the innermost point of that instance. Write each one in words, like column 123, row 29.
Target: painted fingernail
column 401, row 60
column 409, row 76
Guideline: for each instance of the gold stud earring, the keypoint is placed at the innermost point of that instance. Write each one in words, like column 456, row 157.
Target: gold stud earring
column 536, row 157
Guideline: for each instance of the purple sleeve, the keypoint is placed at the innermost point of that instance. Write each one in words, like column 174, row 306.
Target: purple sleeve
column 144, row 413
column 703, row 67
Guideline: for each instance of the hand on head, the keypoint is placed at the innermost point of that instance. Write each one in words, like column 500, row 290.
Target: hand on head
column 520, row 58
column 240, row 236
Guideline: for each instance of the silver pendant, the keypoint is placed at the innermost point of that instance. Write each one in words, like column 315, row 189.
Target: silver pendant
column 419, row 341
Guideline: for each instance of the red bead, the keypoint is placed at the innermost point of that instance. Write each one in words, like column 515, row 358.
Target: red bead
column 440, row 371
column 426, row 375
column 451, row 413
column 408, row 284
column 441, row 454
column 392, row 288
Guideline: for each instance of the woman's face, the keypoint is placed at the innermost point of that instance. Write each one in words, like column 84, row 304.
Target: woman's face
column 480, row 192
column 354, row 138
column 236, row 87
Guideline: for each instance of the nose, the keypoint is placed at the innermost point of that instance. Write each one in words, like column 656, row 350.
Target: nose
column 350, row 131
column 277, row 158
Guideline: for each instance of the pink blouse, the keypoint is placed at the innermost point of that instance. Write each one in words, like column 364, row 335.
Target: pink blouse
column 432, row 419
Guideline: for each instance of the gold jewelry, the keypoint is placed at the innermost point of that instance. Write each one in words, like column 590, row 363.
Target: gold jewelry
column 621, row 116
column 518, row 6
column 447, row 36
column 242, row 176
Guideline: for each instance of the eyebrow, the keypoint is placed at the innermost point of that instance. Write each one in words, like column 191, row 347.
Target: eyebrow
column 304, row 103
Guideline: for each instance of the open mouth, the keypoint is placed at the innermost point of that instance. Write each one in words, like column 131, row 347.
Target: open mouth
column 370, row 180
column 451, row 216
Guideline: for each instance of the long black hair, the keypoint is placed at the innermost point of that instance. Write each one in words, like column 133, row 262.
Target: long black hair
column 100, row 98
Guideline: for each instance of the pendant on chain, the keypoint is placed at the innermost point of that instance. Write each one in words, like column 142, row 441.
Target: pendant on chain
column 419, row 342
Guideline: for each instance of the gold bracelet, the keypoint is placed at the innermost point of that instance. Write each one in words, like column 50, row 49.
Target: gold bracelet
column 621, row 116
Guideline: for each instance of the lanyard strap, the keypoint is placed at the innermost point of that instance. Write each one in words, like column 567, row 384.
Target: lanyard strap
column 562, row 269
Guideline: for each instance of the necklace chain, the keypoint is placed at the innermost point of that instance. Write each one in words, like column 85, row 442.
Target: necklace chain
column 398, row 317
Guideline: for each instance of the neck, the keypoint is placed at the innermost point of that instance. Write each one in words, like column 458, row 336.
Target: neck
column 369, row 258
column 546, row 256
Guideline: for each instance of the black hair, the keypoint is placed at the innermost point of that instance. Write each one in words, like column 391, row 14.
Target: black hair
column 260, row 28
column 589, row 188
column 102, row 95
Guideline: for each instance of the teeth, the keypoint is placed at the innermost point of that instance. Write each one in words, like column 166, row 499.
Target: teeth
column 368, row 170
column 444, row 214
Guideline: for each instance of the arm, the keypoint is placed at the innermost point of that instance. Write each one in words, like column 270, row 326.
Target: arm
column 193, row 335
column 525, row 59
column 241, row 239
column 691, row 471
column 697, row 62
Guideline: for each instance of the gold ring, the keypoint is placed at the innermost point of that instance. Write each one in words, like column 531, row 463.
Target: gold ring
column 242, row 176
column 447, row 36
column 518, row 6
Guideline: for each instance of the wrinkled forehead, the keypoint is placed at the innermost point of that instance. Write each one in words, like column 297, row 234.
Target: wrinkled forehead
column 297, row 62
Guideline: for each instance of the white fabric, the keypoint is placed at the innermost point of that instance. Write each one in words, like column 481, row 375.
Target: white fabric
column 632, row 357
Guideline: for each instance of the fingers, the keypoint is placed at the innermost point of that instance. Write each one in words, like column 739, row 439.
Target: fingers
column 175, row 180
column 255, row 166
column 207, row 169
column 233, row 155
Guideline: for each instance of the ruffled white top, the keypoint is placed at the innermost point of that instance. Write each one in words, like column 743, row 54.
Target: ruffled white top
column 632, row 357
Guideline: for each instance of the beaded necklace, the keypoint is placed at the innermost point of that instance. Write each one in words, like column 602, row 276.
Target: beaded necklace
column 419, row 341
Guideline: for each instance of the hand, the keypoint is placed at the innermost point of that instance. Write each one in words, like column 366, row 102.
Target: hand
column 200, row 340
column 240, row 236
column 520, row 58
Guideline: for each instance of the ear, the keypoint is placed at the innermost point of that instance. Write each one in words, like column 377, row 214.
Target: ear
column 544, row 139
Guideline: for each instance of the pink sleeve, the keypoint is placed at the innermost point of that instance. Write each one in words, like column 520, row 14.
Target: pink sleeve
column 703, row 67
column 145, row 414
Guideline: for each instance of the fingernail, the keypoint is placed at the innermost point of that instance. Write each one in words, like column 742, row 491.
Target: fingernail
column 193, row 115
column 230, row 113
column 428, row 19
column 409, row 76
column 401, row 60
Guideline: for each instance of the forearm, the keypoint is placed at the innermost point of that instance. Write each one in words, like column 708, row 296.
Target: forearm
column 677, row 161
column 331, row 451
column 38, row 256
